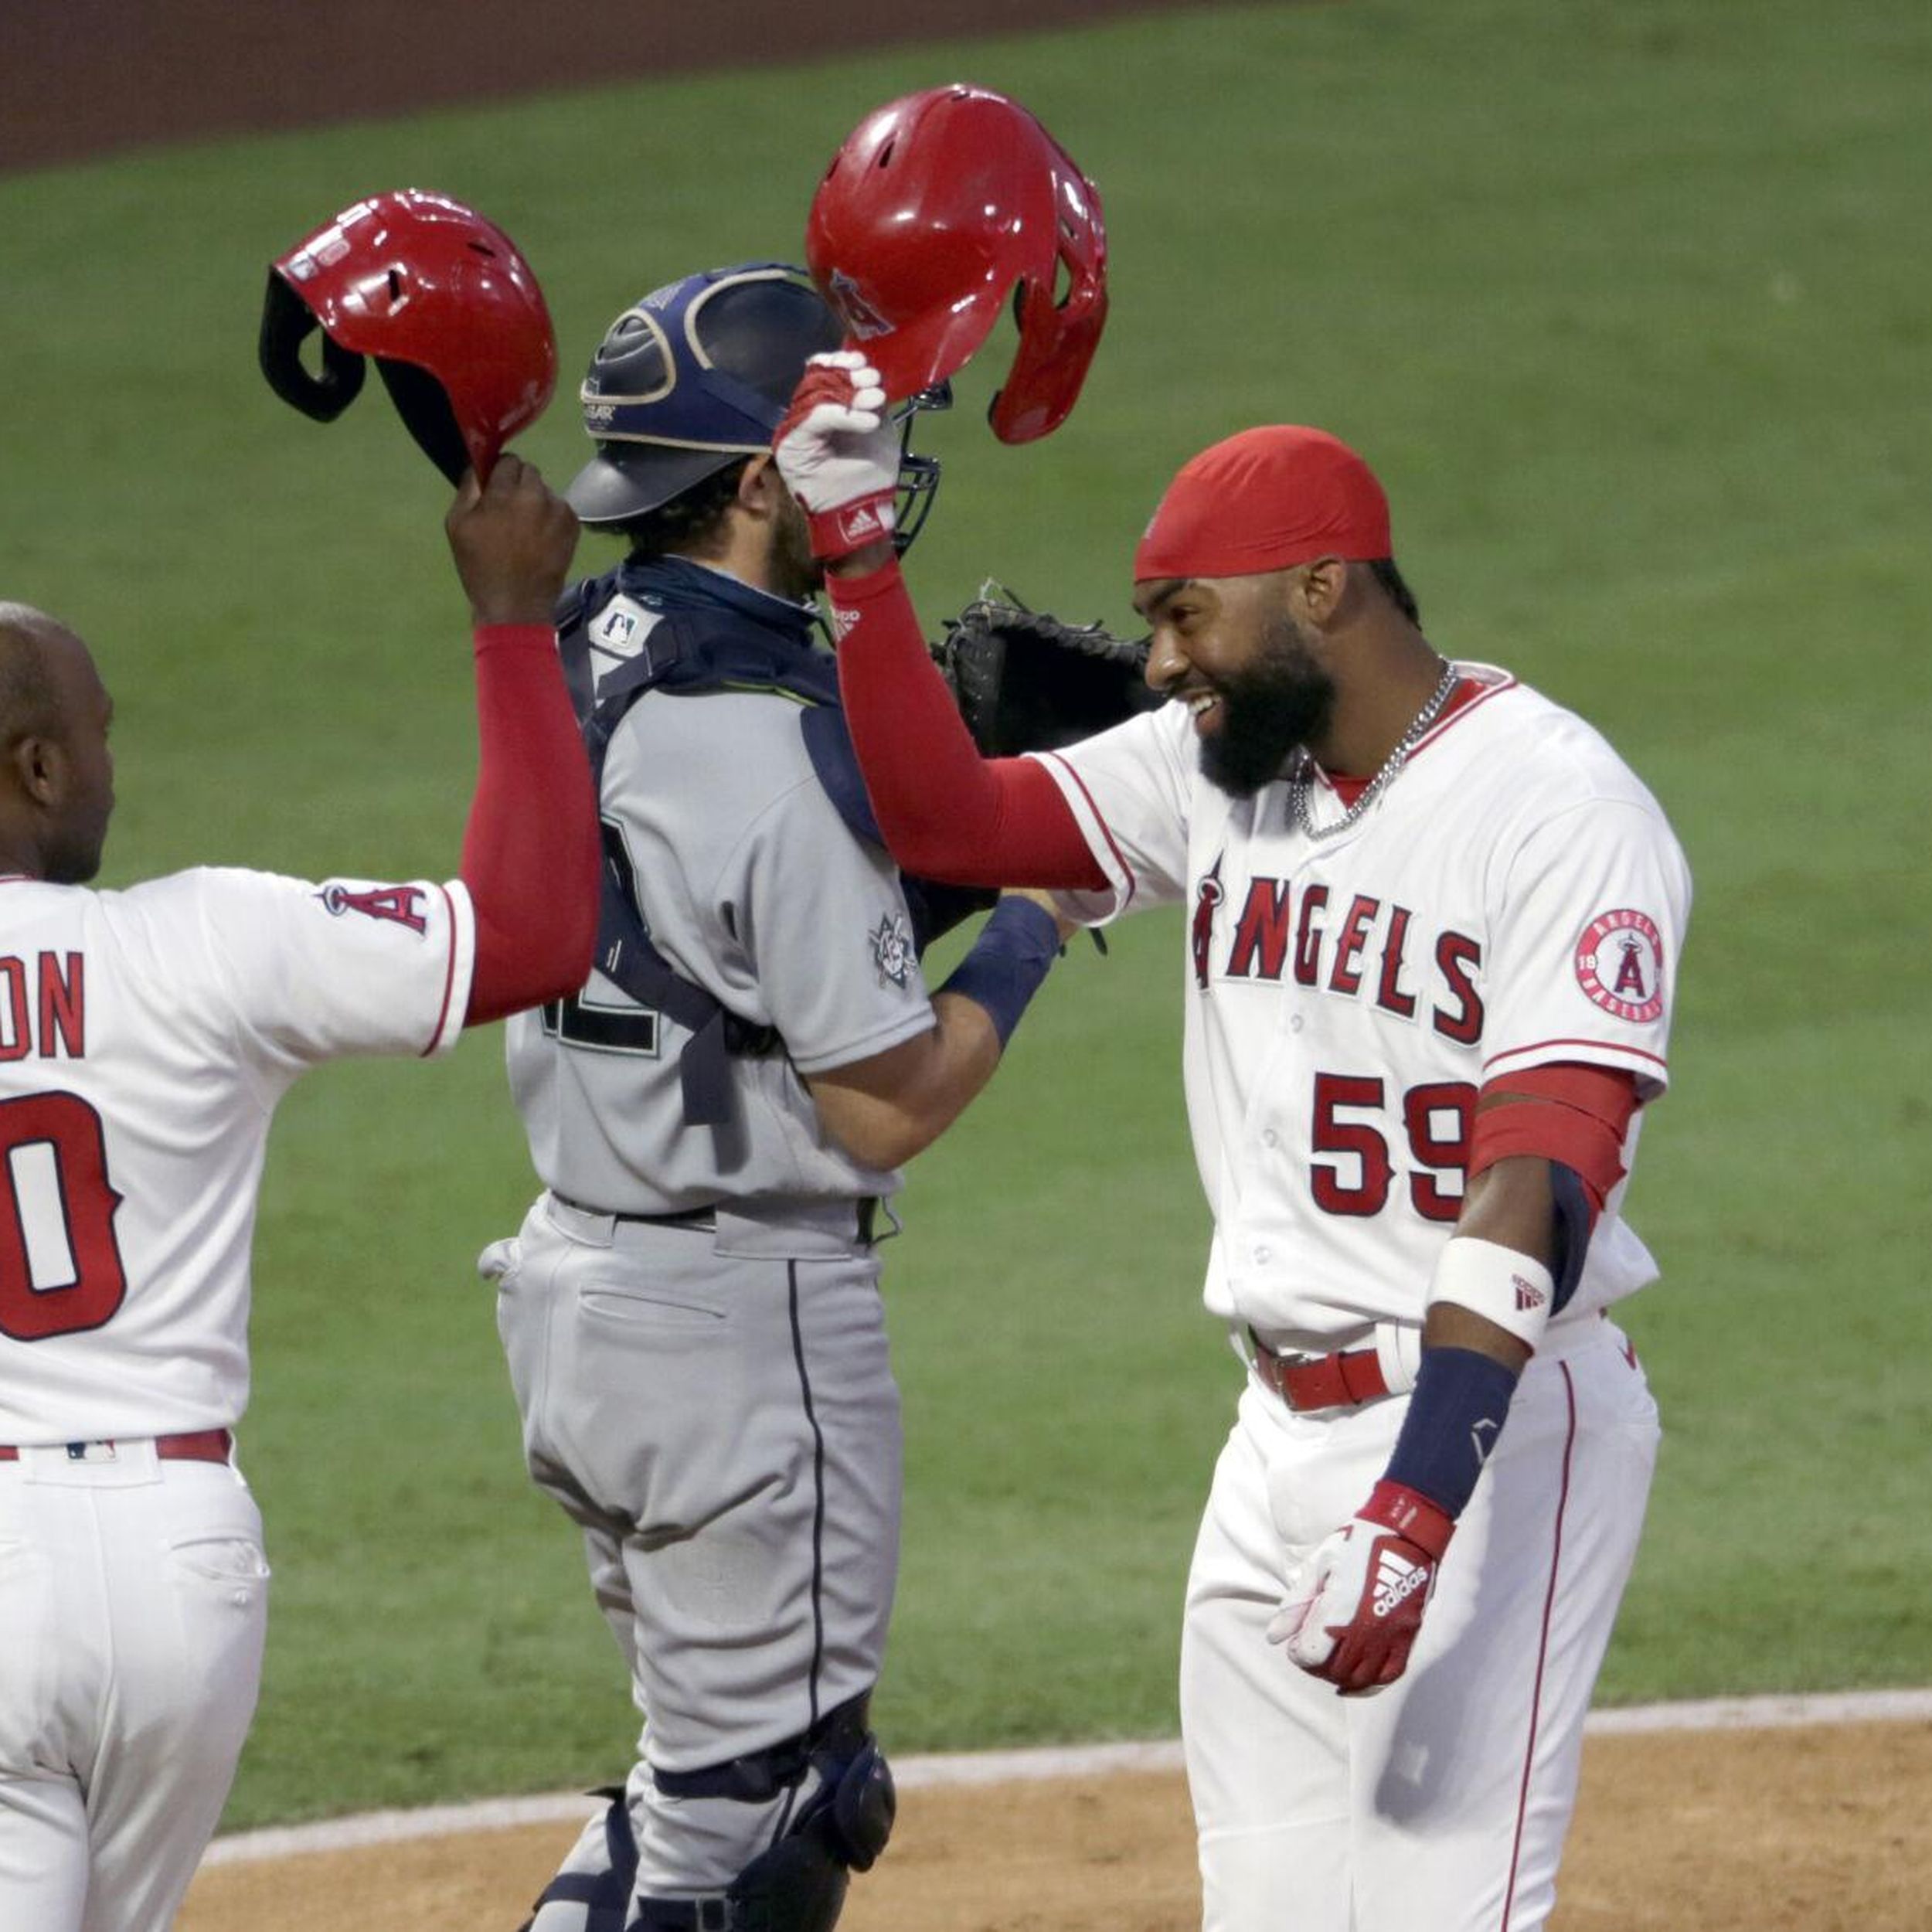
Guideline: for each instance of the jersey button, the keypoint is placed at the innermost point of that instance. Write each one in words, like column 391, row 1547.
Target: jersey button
column 1270, row 1138
column 1263, row 1256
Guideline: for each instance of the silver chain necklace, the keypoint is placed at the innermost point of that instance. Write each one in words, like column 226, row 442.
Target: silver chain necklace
column 1302, row 784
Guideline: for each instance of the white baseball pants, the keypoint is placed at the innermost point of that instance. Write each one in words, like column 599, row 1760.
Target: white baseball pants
column 1440, row 1804
column 134, row 1599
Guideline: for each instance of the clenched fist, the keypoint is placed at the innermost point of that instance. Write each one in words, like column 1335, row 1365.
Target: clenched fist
column 838, row 454
column 1352, row 1611
column 512, row 539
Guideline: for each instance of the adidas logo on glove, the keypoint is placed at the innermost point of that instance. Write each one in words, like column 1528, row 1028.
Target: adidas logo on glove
column 1396, row 1580
column 864, row 521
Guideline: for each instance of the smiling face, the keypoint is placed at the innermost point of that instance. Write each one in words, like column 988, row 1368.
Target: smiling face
column 1233, row 650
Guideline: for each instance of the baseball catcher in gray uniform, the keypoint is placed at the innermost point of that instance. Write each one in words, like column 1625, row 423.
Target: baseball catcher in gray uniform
column 691, row 1310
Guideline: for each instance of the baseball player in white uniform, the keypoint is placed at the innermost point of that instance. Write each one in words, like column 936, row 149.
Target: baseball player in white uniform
column 1435, row 924
column 145, row 1037
column 691, row 1311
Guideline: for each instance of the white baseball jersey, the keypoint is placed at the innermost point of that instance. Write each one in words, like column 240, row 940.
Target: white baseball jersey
column 752, row 885
column 145, row 1038
column 1515, row 898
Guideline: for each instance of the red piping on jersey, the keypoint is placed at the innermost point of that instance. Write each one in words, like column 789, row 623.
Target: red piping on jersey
column 1100, row 819
column 1596, row 1045
column 449, row 976
column 1543, row 1649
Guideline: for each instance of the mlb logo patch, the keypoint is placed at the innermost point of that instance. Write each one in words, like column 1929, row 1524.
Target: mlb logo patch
column 617, row 626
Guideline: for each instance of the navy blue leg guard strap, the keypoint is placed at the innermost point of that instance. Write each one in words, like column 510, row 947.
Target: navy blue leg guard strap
column 606, row 1895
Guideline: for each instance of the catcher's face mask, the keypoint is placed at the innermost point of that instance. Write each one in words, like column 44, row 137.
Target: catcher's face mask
column 918, row 475
column 442, row 300
column 940, row 206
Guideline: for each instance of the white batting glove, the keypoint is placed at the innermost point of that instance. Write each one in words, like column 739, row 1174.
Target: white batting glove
column 838, row 455
column 1353, row 1609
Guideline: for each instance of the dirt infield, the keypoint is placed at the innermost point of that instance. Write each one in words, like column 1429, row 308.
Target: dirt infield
column 1822, row 1829
column 88, row 76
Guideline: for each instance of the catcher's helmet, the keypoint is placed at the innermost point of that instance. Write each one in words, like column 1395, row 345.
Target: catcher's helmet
column 443, row 301
column 698, row 375
column 938, row 205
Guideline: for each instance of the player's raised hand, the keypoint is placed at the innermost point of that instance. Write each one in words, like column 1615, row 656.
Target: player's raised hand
column 1352, row 1611
column 838, row 454
column 512, row 539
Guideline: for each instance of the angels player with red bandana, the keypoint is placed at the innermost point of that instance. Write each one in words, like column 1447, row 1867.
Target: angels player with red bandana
column 1435, row 923
column 146, row 1037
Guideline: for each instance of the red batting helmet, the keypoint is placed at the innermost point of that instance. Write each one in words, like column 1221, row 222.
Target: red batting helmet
column 443, row 301
column 939, row 205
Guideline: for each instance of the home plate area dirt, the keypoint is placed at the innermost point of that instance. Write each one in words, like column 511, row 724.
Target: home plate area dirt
column 1823, row 1829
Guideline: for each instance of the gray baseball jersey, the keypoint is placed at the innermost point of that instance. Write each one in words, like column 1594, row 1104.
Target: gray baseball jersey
column 753, row 886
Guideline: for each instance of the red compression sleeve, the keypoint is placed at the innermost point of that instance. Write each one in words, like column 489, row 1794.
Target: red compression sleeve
column 531, row 851
column 947, row 813
column 1567, row 1112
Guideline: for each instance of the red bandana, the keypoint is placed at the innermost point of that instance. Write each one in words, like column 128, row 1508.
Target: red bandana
column 1264, row 500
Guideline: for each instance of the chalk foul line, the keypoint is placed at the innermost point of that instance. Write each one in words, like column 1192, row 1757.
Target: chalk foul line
column 999, row 1767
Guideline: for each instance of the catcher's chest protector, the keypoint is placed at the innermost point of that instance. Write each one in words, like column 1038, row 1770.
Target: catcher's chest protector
column 708, row 646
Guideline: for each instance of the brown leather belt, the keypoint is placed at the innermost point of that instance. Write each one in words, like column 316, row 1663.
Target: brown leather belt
column 199, row 1445
column 1343, row 1380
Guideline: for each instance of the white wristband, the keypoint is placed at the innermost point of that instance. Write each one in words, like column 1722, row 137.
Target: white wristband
column 1503, row 1285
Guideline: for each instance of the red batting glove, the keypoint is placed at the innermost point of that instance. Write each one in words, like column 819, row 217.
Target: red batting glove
column 839, row 455
column 1352, row 1610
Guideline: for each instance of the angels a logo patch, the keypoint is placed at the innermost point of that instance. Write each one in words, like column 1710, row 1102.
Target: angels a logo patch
column 891, row 950
column 402, row 903
column 1620, row 965
column 855, row 309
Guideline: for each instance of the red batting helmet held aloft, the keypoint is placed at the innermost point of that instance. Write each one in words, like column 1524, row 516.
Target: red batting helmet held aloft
column 939, row 205
column 443, row 301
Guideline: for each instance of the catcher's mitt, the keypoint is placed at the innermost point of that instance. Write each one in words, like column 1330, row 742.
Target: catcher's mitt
column 1025, row 681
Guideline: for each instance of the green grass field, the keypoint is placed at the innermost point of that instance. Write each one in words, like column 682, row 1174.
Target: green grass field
column 1628, row 302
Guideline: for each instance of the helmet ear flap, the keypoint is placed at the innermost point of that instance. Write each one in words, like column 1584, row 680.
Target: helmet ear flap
column 288, row 322
column 1056, row 343
column 423, row 404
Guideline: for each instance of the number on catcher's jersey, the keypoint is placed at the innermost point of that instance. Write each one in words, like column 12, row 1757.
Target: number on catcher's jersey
column 608, row 1027
column 60, row 1266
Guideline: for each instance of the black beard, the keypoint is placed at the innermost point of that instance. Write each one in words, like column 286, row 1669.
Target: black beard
column 794, row 572
column 1283, row 700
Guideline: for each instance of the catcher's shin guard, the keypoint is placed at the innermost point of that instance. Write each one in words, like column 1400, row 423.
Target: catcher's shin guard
column 798, row 1883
